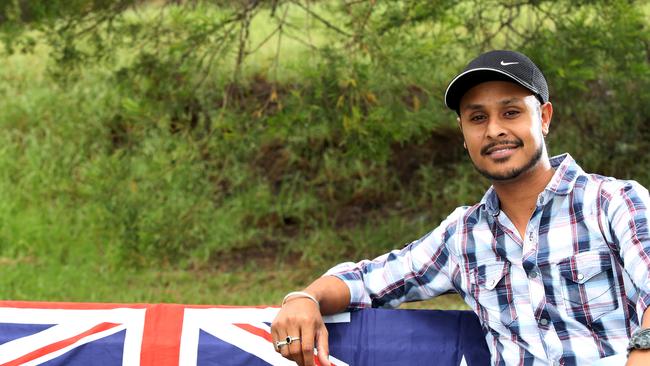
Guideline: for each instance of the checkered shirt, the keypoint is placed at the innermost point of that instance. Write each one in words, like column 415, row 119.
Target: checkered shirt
column 571, row 291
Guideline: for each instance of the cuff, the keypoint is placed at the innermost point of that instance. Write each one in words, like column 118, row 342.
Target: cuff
column 349, row 273
column 641, row 305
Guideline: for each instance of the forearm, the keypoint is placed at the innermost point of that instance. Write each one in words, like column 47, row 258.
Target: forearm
column 645, row 322
column 332, row 294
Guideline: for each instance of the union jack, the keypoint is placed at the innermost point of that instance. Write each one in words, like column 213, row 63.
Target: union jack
column 81, row 334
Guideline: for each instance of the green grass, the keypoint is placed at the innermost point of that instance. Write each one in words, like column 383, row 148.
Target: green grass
column 34, row 281
column 109, row 193
column 64, row 205
column 28, row 280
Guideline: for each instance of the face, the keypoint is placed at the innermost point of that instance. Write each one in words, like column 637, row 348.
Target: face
column 504, row 127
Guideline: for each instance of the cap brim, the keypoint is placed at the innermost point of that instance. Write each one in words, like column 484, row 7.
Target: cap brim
column 470, row 78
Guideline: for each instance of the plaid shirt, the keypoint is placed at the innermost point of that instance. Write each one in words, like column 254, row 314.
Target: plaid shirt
column 568, row 293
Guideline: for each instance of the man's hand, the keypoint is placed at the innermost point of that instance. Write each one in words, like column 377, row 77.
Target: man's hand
column 301, row 317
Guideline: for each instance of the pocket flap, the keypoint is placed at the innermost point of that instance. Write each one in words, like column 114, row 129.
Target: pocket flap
column 489, row 275
column 582, row 267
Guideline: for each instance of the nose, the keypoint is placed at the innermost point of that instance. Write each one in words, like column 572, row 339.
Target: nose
column 495, row 128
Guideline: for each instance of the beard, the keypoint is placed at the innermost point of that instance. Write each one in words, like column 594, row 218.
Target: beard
column 514, row 172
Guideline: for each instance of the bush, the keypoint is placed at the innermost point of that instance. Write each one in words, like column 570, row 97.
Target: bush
column 165, row 136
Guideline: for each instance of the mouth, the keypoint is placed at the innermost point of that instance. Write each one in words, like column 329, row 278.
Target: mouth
column 501, row 149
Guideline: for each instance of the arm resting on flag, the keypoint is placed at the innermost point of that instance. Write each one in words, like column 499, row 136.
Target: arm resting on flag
column 301, row 317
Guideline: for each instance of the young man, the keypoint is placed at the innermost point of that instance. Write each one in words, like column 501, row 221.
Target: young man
column 554, row 261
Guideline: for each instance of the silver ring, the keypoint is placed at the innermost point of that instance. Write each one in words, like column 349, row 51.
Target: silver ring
column 286, row 342
column 279, row 344
column 291, row 339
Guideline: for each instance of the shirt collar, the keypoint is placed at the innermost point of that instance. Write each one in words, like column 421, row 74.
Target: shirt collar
column 566, row 174
column 564, row 178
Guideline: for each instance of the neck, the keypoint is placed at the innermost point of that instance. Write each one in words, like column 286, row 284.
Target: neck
column 518, row 197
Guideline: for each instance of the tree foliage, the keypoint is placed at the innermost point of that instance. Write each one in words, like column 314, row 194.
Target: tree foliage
column 215, row 136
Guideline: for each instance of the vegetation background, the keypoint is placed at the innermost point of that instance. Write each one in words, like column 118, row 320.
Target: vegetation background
column 227, row 152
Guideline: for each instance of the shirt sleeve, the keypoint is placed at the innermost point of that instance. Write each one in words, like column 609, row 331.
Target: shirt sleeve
column 627, row 212
column 419, row 271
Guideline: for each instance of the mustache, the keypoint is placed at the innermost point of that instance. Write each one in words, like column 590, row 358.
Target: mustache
column 494, row 144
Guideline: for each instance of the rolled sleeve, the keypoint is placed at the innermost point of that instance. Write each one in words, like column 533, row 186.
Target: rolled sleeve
column 349, row 273
column 628, row 215
column 642, row 305
column 419, row 271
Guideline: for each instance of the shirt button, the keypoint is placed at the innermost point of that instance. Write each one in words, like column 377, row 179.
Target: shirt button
column 543, row 321
column 532, row 274
column 580, row 276
column 492, row 282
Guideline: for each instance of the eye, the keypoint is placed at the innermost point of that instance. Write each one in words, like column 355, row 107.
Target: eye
column 476, row 118
column 512, row 113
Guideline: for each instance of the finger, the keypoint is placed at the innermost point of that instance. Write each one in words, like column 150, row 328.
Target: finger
column 281, row 335
column 284, row 350
column 322, row 345
column 275, row 335
column 307, row 346
column 294, row 349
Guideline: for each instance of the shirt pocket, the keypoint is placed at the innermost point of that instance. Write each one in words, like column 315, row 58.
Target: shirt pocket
column 589, row 289
column 493, row 293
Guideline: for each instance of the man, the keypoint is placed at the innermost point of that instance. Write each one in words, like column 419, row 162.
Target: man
column 554, row 261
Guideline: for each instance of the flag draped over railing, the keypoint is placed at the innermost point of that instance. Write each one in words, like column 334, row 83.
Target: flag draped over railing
column 81, row 334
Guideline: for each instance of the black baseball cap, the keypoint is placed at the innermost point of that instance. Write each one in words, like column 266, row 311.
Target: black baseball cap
column 494, row 66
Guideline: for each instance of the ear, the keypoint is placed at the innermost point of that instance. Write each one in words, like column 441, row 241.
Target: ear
column 547, row 114
column 460, row 126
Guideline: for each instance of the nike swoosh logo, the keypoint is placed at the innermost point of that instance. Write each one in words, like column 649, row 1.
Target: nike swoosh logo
column 508, row 63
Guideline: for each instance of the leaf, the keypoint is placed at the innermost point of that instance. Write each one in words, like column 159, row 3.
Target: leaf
column 416, row 103
column 371, row 98
column 340, row 101
column 130, row 105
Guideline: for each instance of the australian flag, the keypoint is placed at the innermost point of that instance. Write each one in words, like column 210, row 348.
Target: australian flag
column 76, row 334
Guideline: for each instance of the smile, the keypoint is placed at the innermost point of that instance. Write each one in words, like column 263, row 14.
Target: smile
column 500, row 151
column 498, row 148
